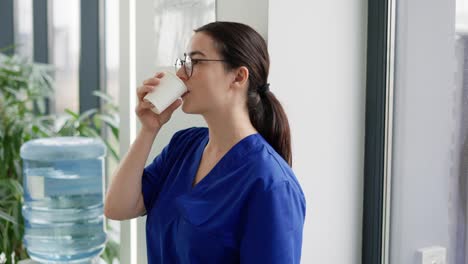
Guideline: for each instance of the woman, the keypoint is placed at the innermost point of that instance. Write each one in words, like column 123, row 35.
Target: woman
column 222, row 194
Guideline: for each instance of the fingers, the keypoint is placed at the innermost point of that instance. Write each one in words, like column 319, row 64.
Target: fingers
column 155, row 79
column 172, row 107
column 159, row 75
column 142, row 107
column 149, row 85
column 152, row 81
column 146, row 105
column 142, row 91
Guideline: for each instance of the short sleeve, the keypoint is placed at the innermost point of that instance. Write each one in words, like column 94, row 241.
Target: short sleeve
column 273, row 227
column 155, row 174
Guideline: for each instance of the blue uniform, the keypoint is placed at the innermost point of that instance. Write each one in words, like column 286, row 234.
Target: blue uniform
column 249, row 208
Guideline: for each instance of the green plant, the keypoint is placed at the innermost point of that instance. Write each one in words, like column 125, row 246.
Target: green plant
column 24, row 86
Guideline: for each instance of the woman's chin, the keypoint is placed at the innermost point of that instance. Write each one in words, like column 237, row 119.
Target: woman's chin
column 188, row 108
column 185, row 108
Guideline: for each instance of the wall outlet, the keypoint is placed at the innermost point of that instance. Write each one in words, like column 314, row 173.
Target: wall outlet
column 432, row 255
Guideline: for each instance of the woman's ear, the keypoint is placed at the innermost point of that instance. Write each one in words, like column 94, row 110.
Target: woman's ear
column 241, row 77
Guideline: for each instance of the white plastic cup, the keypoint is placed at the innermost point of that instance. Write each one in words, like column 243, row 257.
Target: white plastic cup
column 169, row 89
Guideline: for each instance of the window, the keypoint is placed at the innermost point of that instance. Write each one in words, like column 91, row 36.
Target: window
column 65, row 34
column 462, row 16
column 24, row 28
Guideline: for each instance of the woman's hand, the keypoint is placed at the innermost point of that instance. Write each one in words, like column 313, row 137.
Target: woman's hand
column 150, row 120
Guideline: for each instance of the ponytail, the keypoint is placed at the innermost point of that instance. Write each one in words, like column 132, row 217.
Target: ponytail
column 240, row 45
column 268, row 117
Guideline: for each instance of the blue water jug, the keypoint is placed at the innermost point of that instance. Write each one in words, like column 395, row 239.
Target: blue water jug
column 63, row 199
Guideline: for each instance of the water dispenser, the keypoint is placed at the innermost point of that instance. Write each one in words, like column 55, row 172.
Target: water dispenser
column 63, row 181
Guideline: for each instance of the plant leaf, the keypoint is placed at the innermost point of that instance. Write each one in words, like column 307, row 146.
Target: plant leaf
column 110, row 122
column 103, row 96
column 73, row 114
column 7, row 217
column 112, row 150
column 86, row 115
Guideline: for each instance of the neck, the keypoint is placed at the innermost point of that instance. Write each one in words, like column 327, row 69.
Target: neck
column 226, row 129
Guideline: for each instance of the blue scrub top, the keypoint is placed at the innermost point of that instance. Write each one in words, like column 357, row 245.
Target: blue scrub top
column 249, row 208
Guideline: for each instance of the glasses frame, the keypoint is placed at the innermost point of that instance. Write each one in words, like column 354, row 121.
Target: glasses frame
column 182, row 63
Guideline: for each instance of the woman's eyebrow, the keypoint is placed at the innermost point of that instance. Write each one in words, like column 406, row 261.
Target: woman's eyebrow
column 196, row 52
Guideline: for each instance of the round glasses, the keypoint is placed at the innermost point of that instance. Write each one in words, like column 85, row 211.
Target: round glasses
column 188, row 63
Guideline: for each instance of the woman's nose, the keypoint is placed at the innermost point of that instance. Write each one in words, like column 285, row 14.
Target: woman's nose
column 181, row 74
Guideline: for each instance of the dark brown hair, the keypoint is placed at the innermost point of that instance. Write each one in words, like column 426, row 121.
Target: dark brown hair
column 240, row 45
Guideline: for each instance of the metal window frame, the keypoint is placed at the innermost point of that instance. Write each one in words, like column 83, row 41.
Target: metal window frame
column 41, row 31
column 7, row 32
column 92, row 56
column 379, row 126
column 41, row 37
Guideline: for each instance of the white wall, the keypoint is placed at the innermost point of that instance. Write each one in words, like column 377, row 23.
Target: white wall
column 253, row 13
column 318, row 58
column 423, row 128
